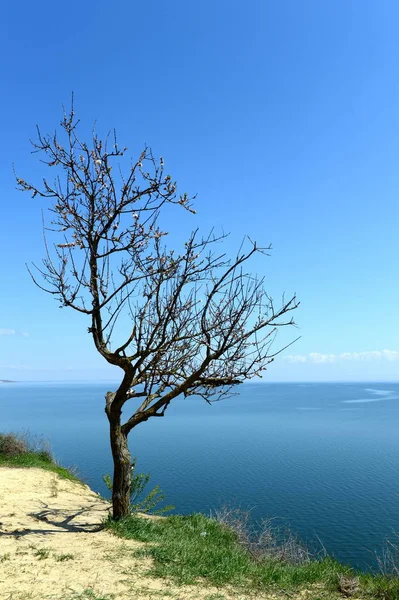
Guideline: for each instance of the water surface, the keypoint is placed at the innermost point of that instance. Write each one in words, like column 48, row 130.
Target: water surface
column 321, row 458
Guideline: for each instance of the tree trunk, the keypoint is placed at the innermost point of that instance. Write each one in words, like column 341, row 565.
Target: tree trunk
column 122, row 472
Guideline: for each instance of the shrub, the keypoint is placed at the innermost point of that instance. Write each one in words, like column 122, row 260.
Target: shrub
column 268, row 542
column 12, row 444
column 150, row 501
column 17, row 444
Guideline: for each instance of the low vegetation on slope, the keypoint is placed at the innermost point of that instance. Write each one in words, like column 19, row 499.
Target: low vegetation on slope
column 195, row 548
column 18, row 450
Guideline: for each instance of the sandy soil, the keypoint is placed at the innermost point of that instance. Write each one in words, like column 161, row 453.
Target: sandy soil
column 52, row 547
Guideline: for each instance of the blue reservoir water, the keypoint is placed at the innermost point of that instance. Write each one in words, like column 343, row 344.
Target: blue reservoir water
column 321, row 458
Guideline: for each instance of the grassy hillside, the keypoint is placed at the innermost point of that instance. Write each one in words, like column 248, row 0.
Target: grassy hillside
column 194, row 548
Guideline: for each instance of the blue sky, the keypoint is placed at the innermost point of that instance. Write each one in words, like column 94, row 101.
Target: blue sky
column 282, row 116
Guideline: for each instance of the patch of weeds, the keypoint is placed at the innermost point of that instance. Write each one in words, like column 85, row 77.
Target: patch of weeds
column 348, row 585
column 42, row 553
column 21, row 596
column 64, row 557
column 89, row 594
column 5, row 557
column 54, row 487
column 151, row 594
column 142, row 553
column 320, row 595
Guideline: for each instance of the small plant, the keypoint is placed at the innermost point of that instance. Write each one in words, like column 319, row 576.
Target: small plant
column 64, row 557
column 348, row 585
column 138, row 484
column 88, row 594
column 5, row 557
column 42, row 553
column 54, row 487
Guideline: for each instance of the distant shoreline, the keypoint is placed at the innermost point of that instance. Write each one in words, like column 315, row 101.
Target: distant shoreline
column 257, row 383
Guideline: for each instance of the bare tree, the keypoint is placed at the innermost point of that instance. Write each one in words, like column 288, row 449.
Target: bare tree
column 196, row 321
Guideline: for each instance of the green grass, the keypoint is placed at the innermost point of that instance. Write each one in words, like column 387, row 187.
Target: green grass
column 19, row 451
column 380, row 586
column 182, row 552
column 32, row 459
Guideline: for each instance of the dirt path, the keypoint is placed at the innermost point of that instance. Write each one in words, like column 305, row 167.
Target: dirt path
column 51, row 547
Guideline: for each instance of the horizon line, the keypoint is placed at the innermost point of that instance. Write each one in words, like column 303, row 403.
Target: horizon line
column 88, row 381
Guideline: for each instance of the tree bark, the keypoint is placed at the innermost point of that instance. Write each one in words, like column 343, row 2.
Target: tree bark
column 122, row 472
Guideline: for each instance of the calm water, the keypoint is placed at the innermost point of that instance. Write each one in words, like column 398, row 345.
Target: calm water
column 322, row 458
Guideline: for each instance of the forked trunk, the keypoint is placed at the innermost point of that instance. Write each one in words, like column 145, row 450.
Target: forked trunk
column 122, row 472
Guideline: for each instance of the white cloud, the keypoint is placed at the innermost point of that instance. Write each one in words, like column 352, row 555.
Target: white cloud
column 391, row 354
column 317, row 357
column 15, row 367
column 363, row 356
column 297, row 358
column 7, row 332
